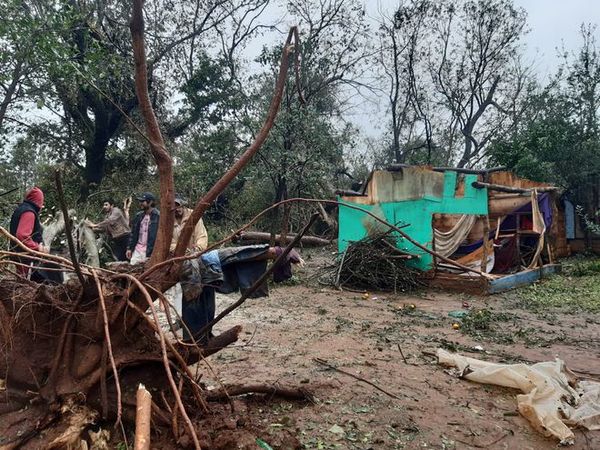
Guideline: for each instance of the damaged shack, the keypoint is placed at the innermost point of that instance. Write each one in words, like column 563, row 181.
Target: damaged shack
column 508, row 230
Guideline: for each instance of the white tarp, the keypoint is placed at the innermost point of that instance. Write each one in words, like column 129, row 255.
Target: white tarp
column 553, row 398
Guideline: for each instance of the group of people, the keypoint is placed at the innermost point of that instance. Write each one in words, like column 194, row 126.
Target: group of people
column 136, row 243
column 225, row 269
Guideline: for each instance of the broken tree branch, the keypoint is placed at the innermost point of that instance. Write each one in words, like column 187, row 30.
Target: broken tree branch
column 162, row 158
column 142, row 418
column 262, row 135
column 271, row 390
column 356, row 377
column 68, row 230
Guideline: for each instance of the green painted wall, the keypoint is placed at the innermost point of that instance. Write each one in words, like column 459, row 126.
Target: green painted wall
column 418, row 214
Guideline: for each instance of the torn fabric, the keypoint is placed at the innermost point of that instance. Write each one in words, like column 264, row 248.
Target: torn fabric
column 539, row 226
column 553, row 398
column 447, row 242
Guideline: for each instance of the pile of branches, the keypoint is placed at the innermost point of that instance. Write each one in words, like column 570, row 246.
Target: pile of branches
column 376, row 263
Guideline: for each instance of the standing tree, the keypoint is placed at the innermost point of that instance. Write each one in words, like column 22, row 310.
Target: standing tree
column 472, row 68
column 83, row 82
column 559, row 139
column 306, row 145
column 454, row 75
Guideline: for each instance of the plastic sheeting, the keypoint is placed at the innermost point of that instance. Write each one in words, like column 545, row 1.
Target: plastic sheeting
column 553, row 398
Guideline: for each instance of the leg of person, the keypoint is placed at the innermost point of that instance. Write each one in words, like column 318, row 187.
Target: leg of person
column 24, row 271
column 174, row 297
column 119, row 247
column 197, row 314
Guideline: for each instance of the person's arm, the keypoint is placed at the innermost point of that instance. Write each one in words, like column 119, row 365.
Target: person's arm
column 25, row 229
column 106, row 223
column 200, row 236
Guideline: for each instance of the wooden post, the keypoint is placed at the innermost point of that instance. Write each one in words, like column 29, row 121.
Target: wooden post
column 486, row 239
column 142, row 418
column 549, row 250
column 435, row 260
column 518, row 236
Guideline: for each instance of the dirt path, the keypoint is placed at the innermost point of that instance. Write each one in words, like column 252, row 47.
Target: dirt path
column 296, row 324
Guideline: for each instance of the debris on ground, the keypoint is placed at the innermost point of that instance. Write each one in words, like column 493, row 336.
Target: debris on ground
column 375, row 263
column 553, row 398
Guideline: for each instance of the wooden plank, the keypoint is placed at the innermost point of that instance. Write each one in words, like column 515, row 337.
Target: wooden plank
column 486, row 243
column 524, row 278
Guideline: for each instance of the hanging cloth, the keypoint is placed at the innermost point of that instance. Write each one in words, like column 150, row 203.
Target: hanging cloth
column 447, row 242
column 539, row 226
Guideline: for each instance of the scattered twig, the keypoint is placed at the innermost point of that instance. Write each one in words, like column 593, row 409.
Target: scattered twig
column 325, row 363
column 402, row 354
column 276, row 391
column 473, row 444
column 8, row 192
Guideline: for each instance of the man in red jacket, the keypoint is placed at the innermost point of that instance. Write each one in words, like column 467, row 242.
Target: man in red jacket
column 26, row 227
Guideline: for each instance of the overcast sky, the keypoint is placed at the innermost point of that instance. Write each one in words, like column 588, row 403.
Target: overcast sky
column 551, row 23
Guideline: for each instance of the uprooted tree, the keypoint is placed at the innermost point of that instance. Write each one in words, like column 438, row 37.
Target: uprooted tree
column 76, row 350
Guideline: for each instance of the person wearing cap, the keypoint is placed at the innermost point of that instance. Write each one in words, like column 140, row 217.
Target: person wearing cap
column 143, row 230
column 116, row 227
column 25, row 225
column 198, row 242
column 199, row 239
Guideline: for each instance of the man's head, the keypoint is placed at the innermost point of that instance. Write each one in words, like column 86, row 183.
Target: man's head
column 108, row 204
column 179, row 206
column 35, row 196
column 146, row 200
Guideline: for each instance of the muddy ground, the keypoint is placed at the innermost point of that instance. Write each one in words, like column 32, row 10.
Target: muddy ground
column 368, row 336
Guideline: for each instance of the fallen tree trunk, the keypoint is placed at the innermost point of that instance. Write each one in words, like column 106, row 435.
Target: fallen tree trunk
column 306, row 241
column 269, row 390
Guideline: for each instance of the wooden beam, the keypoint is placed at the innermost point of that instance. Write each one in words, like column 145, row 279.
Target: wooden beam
column 486, row 239
column 260, row 236
column 502, row 188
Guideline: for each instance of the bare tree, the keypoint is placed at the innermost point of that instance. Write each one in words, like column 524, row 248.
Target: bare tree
column 471, row 67
column 454, row 74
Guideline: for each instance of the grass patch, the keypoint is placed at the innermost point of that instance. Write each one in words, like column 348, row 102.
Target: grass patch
column 571, row 294
column 576, row 290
